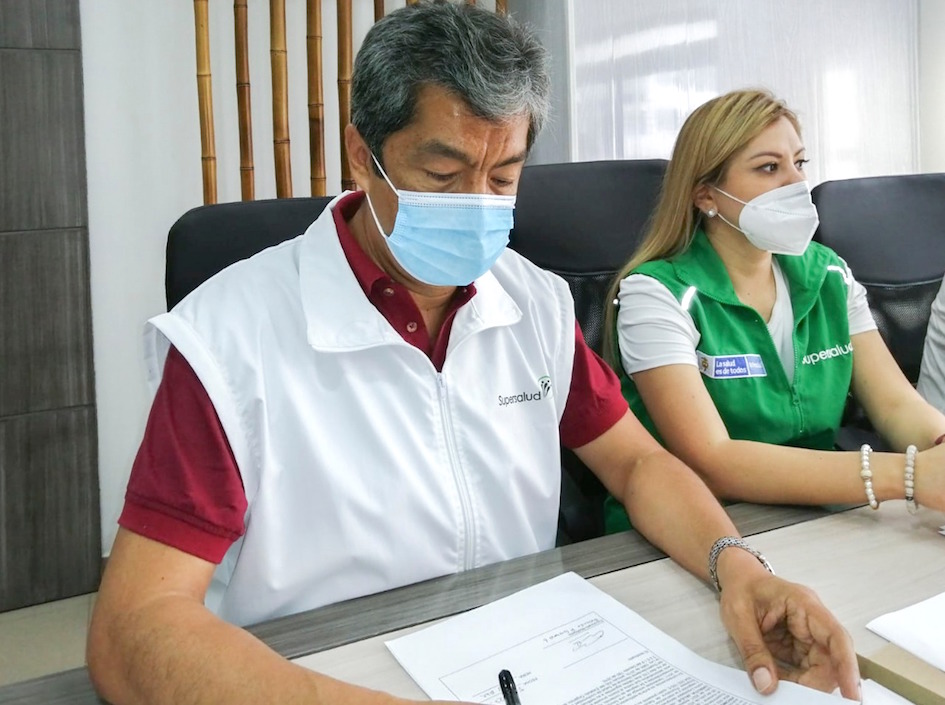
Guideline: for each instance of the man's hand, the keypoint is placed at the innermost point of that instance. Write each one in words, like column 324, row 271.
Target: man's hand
column 782, row 630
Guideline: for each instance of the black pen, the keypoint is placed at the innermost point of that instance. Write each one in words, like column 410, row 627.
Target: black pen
column 509, row 691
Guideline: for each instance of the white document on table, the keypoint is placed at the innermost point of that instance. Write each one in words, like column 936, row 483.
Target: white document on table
column 568, row 643
column 919, row 629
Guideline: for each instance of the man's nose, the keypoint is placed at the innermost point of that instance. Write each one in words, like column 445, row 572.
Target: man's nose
column 476, row 182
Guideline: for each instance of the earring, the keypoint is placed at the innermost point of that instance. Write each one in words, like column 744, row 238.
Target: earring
column 711, row 213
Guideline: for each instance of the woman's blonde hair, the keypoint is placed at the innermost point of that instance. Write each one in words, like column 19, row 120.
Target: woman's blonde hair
column 714, row 133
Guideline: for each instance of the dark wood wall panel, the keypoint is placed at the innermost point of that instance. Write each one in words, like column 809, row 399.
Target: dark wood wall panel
column 49, row 513
column 45, row 321
column 42, row 150
column 39, row 24
column 50, row 538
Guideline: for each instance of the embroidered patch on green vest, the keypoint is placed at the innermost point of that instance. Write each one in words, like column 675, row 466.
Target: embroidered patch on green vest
column 731, row 366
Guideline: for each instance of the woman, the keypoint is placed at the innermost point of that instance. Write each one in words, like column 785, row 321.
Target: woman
column 735, row 335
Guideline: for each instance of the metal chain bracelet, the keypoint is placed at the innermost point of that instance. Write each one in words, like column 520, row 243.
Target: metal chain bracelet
column 729, row 542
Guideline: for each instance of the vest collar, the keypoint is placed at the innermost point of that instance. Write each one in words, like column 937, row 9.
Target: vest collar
column 805, row 273
column 339, row 317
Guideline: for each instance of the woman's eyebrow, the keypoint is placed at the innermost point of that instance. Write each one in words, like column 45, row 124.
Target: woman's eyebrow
column 776, row 155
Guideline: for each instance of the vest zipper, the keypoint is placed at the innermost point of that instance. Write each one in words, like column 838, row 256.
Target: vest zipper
column 795, row 397
column 796, row 406
column 459, row 478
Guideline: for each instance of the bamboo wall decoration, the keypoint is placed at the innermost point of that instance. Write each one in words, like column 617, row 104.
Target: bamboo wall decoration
column 344, row 86
column 280, row 98
column 280, row 94
column 316, row 98
column 243, row 101
column 208, row 158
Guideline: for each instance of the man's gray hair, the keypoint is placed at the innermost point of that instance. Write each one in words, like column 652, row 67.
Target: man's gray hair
column 497, row 66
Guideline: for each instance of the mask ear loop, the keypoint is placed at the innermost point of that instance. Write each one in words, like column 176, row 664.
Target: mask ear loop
column 384, row 174
column 726, row 193
column 722, row 217
column 377, row 222
column 374, row 215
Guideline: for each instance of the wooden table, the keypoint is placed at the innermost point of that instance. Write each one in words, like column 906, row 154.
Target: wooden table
column 862, row 563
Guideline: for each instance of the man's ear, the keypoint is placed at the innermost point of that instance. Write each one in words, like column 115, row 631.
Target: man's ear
column 703, row 199
column 359, row 157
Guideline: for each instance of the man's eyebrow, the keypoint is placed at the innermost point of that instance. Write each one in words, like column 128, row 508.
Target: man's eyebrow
column 441, row 149
column 514, row 159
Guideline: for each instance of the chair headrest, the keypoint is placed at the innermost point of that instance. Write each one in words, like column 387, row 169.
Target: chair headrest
column 584, row 216
column 207, row 239
column 889, row 229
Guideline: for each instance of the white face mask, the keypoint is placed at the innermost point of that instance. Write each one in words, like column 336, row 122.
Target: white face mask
column 781, row 221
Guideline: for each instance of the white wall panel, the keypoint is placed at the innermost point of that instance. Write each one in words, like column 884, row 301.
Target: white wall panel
column 848, row 67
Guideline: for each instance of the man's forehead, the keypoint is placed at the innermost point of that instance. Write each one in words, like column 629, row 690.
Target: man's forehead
column 439, row 148
column 437, row 107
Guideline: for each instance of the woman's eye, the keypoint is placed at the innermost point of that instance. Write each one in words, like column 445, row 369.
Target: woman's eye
column 800, row 164
column 770, row 167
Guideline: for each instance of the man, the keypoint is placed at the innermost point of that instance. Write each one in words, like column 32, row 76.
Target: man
column 932, row 376
column 330, row 421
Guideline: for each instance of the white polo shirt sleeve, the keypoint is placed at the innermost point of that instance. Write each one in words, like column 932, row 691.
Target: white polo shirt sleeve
column 653, row 329
column 858, row 308
column 932, row 376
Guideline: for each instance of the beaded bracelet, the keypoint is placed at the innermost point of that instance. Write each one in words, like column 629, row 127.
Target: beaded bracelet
column 867, row 475
column 909, row 478
column 727, row 542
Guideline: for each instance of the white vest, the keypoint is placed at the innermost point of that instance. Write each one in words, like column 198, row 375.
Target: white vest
column 364, row 468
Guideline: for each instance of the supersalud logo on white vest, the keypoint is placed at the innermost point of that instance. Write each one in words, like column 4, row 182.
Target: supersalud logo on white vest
column 544, row 391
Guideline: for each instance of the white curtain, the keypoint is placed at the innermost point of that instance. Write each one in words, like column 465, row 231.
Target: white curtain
column 637, row 68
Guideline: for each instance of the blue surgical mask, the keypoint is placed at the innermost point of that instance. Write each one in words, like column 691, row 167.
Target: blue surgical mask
column 447, row 239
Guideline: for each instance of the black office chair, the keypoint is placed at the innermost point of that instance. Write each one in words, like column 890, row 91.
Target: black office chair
column 891, row 231
column 580, row 220
column 207, row 239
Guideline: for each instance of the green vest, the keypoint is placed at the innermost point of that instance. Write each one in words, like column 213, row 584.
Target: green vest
column 740, row 365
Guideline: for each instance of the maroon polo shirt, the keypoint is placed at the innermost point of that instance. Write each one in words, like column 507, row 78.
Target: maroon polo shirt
column 185, row 489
